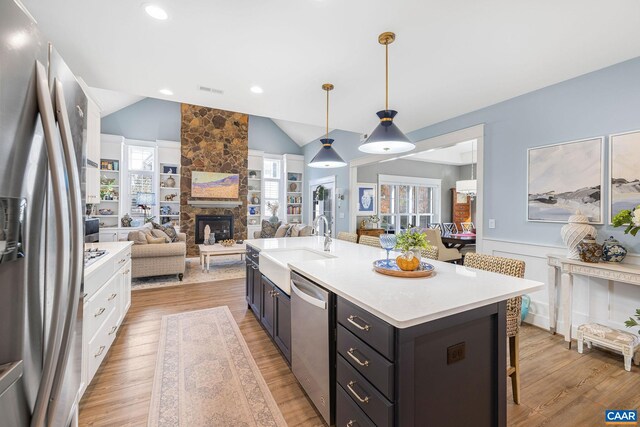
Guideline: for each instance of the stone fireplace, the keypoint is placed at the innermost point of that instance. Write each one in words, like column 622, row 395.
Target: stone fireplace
column 212, row 140
column 220, row 225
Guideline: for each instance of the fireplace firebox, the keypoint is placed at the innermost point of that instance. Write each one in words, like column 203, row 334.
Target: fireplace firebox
column 220, row 225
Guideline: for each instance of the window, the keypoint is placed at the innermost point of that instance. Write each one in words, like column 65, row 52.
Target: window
column 407, row 202
column 140, row 166
column 272, row 183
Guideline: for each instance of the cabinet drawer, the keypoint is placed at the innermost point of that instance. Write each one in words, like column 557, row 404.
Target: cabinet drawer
column 365, row 395
column 100, row 343
column 348, row 413
column 98, row 278
column 253, row 254
column 374, row 331
column 101, row 305
column 121, row 258
column 367, row 361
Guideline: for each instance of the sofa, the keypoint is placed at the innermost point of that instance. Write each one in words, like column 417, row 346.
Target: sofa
column 284, row 230
column 159, row 259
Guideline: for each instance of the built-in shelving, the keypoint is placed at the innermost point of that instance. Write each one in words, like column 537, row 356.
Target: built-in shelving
column 169, row 184
column 294, row 188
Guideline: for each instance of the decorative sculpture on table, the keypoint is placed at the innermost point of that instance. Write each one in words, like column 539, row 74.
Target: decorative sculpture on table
column 576, row 230
column 209, row 237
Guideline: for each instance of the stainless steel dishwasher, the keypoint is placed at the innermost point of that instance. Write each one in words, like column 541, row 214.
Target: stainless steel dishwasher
column 313, row 342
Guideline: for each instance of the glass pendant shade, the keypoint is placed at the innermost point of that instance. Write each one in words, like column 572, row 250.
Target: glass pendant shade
column 469, row 186
column 327, row 157
column 387, row 138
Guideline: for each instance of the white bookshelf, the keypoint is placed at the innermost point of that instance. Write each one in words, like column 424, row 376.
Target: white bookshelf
column 255, row 208
column 110, row 192
column 294, row 188
column 169, row 210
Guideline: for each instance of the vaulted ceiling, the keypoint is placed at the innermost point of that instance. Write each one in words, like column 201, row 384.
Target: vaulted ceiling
column 449, row 58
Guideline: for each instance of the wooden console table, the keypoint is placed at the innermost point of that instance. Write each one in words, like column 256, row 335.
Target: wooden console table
column 625, row 273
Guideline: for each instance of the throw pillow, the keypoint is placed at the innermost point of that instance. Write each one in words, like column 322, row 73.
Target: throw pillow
column 295, row 231
column 301, row 230
column 155, row 240
column 269, row 229
column 282, row 231
column 137, row 237
column 168, row 229
column 161, row 234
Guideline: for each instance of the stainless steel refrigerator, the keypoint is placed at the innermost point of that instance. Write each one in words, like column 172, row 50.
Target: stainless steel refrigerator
column 42, row 161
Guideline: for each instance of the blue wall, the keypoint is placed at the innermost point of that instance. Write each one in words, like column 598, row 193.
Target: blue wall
column 599, row 103
column 151, row 119
column 265, row 135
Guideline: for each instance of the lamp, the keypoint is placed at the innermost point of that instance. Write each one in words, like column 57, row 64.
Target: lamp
column 469, row 186
column 145, row 200
column 386, row 138
column 327, row 157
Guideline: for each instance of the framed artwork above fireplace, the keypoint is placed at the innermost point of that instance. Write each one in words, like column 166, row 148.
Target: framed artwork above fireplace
column 214, row 185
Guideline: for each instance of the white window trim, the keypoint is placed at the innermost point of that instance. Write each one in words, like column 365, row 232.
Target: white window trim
column 434, row 183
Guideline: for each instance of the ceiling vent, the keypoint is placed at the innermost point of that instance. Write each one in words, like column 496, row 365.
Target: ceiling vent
column 211, row 90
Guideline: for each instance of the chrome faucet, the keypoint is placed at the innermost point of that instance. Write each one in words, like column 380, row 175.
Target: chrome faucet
column 327, row 235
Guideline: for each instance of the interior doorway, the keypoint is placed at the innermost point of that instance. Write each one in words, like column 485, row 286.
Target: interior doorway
column 322, row 193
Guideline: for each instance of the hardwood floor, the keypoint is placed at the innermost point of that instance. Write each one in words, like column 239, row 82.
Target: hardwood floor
column 559, row 387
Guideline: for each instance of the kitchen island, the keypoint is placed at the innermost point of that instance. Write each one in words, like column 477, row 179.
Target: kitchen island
column 403, row 352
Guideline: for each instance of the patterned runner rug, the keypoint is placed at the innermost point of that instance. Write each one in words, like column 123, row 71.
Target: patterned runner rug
column 221, row 268
column 205, row 375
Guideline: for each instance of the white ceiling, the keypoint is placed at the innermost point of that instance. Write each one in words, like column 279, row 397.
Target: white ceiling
column 299, row 132
column 110, row 101
column 460, row 154
column 450, row 57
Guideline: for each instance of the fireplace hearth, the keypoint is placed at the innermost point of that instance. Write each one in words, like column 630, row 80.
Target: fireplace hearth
column 221, row 226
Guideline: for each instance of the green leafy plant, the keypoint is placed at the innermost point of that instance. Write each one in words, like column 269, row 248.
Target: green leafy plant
column 412, row 239
column 321, row 193
column 628, row 218
column 633, row 322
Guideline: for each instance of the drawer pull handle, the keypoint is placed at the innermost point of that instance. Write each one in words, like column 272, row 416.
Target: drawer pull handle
column 255, row 255
column 352, row 423
column 99, row 312
column 122, row 260
column 112, row 296
column 115, row 328
column 85, row 295
column 352, row 319
column 354, row 357
column 125, row 272
column 254, row 267
column 350, row 387
column 99, row 351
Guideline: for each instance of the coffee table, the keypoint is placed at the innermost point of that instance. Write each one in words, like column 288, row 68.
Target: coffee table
column 207, row 251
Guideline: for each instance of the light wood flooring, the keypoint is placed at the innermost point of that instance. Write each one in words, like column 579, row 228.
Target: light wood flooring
column 559, row 387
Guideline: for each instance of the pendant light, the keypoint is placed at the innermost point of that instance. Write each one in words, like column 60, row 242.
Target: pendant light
column 469, row 186
column 327, row 157
column 387, row 138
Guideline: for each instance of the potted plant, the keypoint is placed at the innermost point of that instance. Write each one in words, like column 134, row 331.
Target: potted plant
column 633, row 322
column 321, row 193
column 273, row 208
column 628, row 218
column 410, row 242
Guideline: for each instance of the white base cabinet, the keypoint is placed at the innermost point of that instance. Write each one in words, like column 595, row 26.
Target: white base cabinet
column 107, row 299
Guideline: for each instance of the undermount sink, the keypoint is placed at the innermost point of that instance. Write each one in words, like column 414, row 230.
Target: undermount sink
column 274, row 264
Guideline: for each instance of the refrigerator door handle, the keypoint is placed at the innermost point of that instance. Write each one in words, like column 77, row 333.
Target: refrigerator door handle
column 77, row 241
column 58, row 184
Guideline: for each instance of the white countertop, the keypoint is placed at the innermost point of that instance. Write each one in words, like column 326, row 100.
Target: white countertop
column 402, row 302
column 112, row 249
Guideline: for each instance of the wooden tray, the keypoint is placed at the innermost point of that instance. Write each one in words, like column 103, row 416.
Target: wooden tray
column 392, row 269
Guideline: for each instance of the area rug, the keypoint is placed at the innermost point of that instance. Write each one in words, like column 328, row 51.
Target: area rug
column 221, row 268
column 206, row 376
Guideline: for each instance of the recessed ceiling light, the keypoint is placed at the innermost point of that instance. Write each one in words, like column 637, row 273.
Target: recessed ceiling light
column 166, row 92
column 256, row 89
column 156, row 12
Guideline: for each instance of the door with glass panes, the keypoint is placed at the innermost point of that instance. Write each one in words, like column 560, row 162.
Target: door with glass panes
column 405, row 206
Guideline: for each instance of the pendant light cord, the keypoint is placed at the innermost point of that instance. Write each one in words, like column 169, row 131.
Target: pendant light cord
column 386, row 76
column 327, row 114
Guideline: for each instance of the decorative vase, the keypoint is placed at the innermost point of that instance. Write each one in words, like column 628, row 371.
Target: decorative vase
column 170, row 182
column 613, row 251
column 212, row 239
column 274, row 219
column 252, row 210
column 589, row 249
column 126, row 220
column 576, row 230
column 207, row 234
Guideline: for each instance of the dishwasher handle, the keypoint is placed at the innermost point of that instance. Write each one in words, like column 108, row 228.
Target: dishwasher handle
column 321, row 304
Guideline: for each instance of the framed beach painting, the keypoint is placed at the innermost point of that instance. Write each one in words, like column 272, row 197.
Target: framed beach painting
column 624, row 152
column 367, row 201
column 214, row 185
column 566, row 178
